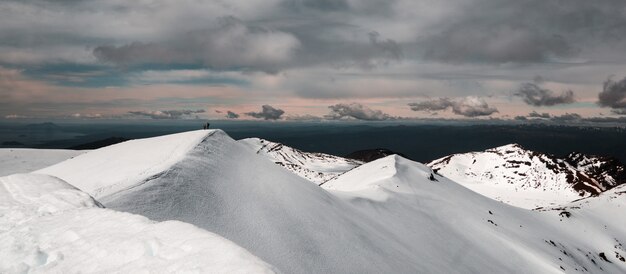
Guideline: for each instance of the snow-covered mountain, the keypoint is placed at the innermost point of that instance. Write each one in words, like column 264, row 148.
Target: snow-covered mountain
column 49, row 226
column 391, row 215
column 223, row 186
column 531, row 179
column 315, row 167
column 455, row 227
column 111, row 169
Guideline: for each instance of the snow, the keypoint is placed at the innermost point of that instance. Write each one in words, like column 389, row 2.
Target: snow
column 454, row 229
column 511, row 175
column 21, row 160
column 315, row 167
column 48, row 226
column 223, row 186
column 391, row 215
column 114, row 168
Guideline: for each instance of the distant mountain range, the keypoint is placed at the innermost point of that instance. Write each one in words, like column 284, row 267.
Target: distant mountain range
column 509, row 173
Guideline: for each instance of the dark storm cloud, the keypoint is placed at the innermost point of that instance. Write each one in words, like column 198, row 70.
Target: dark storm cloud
column 230, row 43
column 166, row 114
column 310, row 32
column 534, row 95
column 494, row 44
column 520, row 118
column 526, row 31
column 487, row 41
column 567, row 117
column 388, row 47
column 356, row 111
column 231, row 115
column 536, row 114
column 613, row 95
column 326, row 5
column 235, row 44
column 432, row 104
column 268, row 113
column 468, row 106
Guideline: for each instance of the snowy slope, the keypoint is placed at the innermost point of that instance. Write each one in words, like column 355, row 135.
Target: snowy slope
column 48, row 226
column 523, row 178
column 453, row 229
column 114, row 168
column 21, row 160
column 391, row 215
column 224, row 187
column 315, row 167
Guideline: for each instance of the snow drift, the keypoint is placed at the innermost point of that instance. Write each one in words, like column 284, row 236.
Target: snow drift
column 46, row 225
column 104, row 171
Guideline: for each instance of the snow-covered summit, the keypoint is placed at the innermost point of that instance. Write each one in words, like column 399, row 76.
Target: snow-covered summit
column 316, row 167
column 526, row 178
column 110, row 169
column 392, row 173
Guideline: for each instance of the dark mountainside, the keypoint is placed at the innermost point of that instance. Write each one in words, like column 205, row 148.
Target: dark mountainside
column 608, row 171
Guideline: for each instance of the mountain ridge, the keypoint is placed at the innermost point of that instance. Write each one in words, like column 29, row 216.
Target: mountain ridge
column 366, row 223
column 515, row 169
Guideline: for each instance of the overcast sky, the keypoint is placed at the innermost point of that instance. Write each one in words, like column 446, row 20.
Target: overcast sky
column 308, row 59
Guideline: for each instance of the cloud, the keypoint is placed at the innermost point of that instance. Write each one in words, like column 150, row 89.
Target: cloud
column 437, row 104
column 613, row 95
column 520, row 118
column 231, row 115
column 494, row 44
column 229, row 44
column 356, row 111
column 470, row 106
column 15, row 116
column 323, row 49
column 567, row 117
column 268, row 113
column 305, row 117
column 87, row 115
column 534, row 95
column 619, row 111
column 166, row 114
column 529, row 31
column 536, row 114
